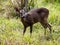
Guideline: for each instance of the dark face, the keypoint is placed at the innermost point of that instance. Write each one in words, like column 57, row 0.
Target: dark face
column 22, row 12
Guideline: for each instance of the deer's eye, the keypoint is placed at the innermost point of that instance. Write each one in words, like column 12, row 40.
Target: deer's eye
column 20, row 13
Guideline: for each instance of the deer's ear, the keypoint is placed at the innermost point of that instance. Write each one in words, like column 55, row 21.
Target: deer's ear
column 16, row 9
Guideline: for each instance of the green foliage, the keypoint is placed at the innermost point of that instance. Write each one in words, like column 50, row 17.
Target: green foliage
column 52, row 1
column 11, row 34
column 11, row 29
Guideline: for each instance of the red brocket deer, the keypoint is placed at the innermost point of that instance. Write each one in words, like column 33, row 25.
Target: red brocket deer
column 34, row 16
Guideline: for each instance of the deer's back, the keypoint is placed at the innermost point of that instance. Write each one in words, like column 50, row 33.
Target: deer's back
column 39, row 14
column 40, row 11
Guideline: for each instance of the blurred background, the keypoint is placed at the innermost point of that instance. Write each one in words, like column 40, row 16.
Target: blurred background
column 11, row 27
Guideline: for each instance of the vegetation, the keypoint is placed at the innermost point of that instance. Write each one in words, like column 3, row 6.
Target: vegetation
column 11, row 29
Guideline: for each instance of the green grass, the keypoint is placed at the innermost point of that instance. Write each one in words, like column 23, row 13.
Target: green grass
column 11, row 29
column 11, row 34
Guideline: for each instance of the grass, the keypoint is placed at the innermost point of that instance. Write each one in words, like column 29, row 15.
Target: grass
column 11, row 29
column 11, row 34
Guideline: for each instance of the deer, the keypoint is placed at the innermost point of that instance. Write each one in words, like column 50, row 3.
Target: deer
column 33, row 16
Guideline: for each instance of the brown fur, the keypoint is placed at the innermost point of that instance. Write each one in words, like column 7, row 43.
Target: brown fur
column 34, row 16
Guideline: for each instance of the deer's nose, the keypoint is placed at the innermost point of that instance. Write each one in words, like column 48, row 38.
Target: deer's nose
column 23, row 16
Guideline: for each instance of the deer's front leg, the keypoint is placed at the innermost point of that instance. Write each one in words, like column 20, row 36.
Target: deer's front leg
column 31, row 26
column 24, row 30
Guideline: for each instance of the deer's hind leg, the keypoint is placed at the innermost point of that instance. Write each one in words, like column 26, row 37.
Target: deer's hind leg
column 46, row 25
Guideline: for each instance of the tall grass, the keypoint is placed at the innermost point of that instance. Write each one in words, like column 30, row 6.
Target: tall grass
column 11, row 34
column 11, row 29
